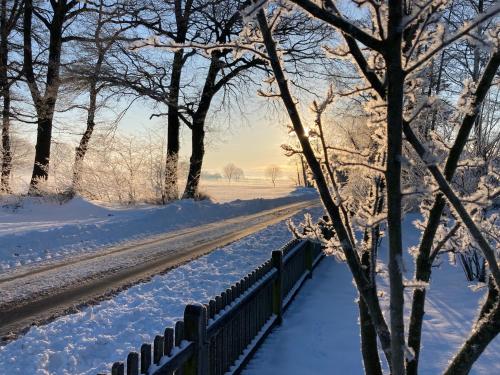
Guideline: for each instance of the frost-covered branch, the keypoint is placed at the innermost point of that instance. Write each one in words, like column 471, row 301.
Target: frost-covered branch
column 363, row 284
column 455, row 201
column 467, row 28
column 336, row 20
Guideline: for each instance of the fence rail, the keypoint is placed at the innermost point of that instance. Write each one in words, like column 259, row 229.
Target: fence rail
column 221, row 336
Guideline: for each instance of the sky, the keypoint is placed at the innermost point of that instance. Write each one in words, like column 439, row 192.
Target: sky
column 250, row 140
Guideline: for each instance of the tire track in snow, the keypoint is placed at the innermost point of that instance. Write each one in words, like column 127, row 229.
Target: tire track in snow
column 39, row 294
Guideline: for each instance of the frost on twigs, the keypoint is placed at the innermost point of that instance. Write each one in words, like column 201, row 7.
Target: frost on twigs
column 466, row 102
column 416, row 284
column 409, row 353
column 321, row 232
column 493, row 37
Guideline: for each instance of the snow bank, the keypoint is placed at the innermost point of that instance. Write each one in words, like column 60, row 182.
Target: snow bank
column 89, row 341
column 34, row 229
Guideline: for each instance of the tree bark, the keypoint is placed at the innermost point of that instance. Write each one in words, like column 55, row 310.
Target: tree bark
column 6, row 150
column 196, row 160
column 42, row 154
column 45, row 105
column 82, row 148
column 171, row 190
column 395, row 79
column 198, row 130
column 304, row 174
column 492, row 298
column 486, row 329
column 5, row 92
column 369, row 345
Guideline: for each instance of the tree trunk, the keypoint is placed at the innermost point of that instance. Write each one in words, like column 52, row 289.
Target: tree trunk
column 422, row 273
column 423, row 265
column 182, row 16
column 45, row 105
column 171, row 190
column 196, row 160
column 304, row 174
column 395, row 79
column 5, row 92
column 351, row 256
column 82, row 148
column 369, row 345
column 492, row 298
column 6, row 151
column 198, row 130
column 42, row 155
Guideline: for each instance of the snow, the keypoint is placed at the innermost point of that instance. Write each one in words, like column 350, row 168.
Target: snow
column 222, row 191
column 320, row 331
column 89, row 341
column 35, row 230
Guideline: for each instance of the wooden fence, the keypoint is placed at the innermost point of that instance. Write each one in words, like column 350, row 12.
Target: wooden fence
column 220, row 337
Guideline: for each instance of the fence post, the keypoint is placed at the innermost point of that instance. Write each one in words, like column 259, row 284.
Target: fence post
column 278, row 286
column 145, row 358
column 309, row 257
column 118, row 369
column 168, row 342
column 158, row 349
column 133, row 363
column 195, row 330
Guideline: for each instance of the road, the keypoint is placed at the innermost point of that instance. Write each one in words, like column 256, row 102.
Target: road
column 38, row 294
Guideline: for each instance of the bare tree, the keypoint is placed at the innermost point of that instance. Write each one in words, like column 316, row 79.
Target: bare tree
column 273, row 172
column 171, row 23
column 239, row 174
column 230, row 171
column 9, row 16
column 54, row 19
column 221, row 23
column 101, row 30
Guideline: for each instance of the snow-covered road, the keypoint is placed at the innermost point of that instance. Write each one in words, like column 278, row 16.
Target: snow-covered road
column 38, row 230
column 38, row 293
column 87, row 342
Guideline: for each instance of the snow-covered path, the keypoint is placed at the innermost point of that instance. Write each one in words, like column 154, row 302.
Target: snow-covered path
column 320, row 332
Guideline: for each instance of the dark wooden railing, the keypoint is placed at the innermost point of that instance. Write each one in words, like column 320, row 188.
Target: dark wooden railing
column 220, row 337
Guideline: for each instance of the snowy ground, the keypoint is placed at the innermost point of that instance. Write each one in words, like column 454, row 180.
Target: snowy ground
column 320, row 333
column 315, row 338
column 222, row 191
column 34, row 230
column 89, row 341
